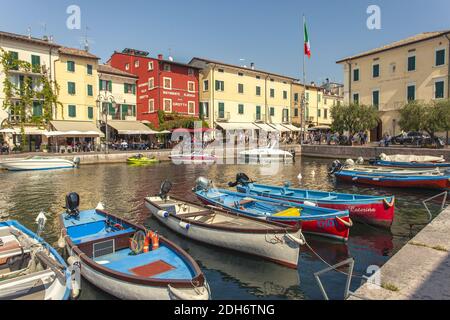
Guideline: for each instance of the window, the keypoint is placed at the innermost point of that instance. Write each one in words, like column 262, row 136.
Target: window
column 167, row 105
column 376, row 98
column 151, row 105
column 258, row 77
column 151, row 83
column 90, row 113
column 356, row 98
column 72, row 111
column 296, row 112
column 220, row 70
column 71, row 88
column 127, row 66
column 167, row 83
column 204, row 110
column 14, row 56
column 440, row 57
column 439, row 89
column 258, row 113
column 90, row 91
column 411, row 92
column 191, row 86
column 37, row 109
column 240, row 108
column 307, row 96
column 136, row 64
column 258, row 91
column 112, row 110
column 319, row 98
column 325, row 113
column 412, row 63
column 36, row 63
column 376, row 70
column 191, row 107
column 356, row 75
column 285, row 95
column 240, row 88
column 190, row 71
column 205, row 85
column 296, row 97
column 240, row 74
column 272, row 93
column 319, row 114
column 150, row 65
column 89, row 69
column 221, row 110
column 325, row 101
column 167, row 67
column 220, row 85
column 105, row 85
column 272, row 111
column 285, row 115
column 70, row 66
column 129, row 88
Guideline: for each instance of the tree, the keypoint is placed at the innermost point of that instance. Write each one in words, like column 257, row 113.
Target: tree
column 353, row 118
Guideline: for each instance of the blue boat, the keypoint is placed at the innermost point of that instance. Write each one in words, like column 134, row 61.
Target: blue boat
column 399, row 164
column 30, row 269
column 314, row 220
column 128, row 261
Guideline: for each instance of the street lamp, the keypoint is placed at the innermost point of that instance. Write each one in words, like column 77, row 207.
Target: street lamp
column 101, row 99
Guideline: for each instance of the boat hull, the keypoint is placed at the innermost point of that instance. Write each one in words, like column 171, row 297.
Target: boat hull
column 410, row 164
column 29, row 165
column 281, row 250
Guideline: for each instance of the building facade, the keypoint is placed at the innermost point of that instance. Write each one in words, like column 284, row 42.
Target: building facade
column 416, row 68
column 235, row 96
column 162, row 85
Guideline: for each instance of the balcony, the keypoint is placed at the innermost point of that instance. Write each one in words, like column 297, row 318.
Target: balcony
column 223, row 116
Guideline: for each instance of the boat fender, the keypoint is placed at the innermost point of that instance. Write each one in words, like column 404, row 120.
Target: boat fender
column 299, row 241
column 310, row 204
column 348, row 224
column 163, row 214
column 155, row 241
column 61, row 242
column 148, row 238
column 185, row 225
column 75, row 266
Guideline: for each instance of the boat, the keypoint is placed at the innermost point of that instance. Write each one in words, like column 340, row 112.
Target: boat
column 193, row 158
column 410, row 161
column 30, row 269
column 140, row 159
column 39, row 163
column 349, row 165
column 273, row 241
column 430, row 180
column 126, row 260
column 314, row 220
column 266, row 154
column 373, row 210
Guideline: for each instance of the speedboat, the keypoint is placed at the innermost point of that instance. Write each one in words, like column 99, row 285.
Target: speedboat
column 374, row 210
column 30, row 269
column 410, row 161
column 193, row 158
column 140, row 159
column 267, row 154
column 39, row 163
column 127, row 260
column 269, row 240
column 314, row 220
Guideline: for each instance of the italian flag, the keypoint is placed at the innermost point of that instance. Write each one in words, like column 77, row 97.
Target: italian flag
column 307, row 43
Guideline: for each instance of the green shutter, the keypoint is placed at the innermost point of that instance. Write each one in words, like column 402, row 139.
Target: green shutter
column 112, row 111
column 100, row 85
column 72, row 111
column 125, row 88
column 70, row 66
column 37, row 109
column 89, row 90
column 14, row 57
column 412, row 63
column 36, row 63
column 133, row 88
column 440, row 57
column 90, row 112
column 71, row 87
column 241, row 109
column 89, row 69
column 110, row 86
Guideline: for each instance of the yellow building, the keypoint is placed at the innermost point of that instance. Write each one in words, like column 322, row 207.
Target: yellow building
column 415, row 68
column 236, row 97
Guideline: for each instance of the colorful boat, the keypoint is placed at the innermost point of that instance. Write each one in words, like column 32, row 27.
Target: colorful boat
column 410, row 161
column 273, row 241
column 140, row 159
column 115, row 255
column 39, row 163
column 319, row 221
column 30, row 269
column 374, row 210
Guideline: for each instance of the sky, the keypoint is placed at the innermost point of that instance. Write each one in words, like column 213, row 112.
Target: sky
column 267, row 33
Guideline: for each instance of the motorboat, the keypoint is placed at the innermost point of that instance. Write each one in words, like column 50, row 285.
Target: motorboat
column 269, row 240
column 410, row 161
column 266, row 154
column 373, row 210
column 351, row 166
column 39, row 163
column 314, row 220
column 127, row 260
column 30, row 269
column 140, row 159
column 193, row 158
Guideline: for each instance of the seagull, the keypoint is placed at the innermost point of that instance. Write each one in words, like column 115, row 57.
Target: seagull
column 313, row 173
column 300, row 177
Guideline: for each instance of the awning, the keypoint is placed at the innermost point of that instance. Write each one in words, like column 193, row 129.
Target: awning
column 30, row 131
column 280, row 127
column 131, row 128
column 74, row 129
column 237, row 126
column 265, row 127
column 292, row 127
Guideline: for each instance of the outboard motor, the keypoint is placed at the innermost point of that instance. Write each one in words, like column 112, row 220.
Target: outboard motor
column 349, row 162
column 76, row 161
column 72, row 204
column 164, row 190
column 335, row 167
column 241, row 179
column 202, row 183
column 360, row 160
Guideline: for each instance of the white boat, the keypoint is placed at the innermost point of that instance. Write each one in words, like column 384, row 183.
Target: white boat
column 272, row 241
column 39, row 163
column 193, row 158
column 269, row 153
column 29, row 268
column 411, row 158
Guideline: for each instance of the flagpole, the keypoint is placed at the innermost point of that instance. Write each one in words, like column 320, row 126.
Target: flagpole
column 303, row 120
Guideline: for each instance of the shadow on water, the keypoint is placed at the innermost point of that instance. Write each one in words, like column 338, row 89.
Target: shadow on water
column 231, row 275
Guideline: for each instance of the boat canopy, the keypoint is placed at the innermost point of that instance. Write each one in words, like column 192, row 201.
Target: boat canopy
column 131, row 127
column 265, row 127
column 74, row 129
column 237, row 126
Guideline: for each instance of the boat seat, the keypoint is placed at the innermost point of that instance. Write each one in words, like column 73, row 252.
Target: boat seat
column 102, row 235
column 288, row 193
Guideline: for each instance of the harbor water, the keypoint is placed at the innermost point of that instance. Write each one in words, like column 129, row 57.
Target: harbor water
column 231, row 275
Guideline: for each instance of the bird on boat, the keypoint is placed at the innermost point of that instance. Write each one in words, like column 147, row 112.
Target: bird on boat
column 300, row 177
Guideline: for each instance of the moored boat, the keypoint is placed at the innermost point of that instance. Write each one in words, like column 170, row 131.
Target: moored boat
column 39, row 163
column 126, row 260
column 140, row 159
column 319, row 221
column 30, row 269
column 273, row 241
column 193, row 158
column 267, row 154
column 374, row 210
column 410, row 161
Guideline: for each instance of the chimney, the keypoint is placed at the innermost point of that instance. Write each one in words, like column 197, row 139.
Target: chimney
column 45, row 38
column 160, row 56
column 252, row 66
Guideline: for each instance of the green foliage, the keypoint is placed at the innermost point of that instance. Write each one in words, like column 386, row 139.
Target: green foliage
column 429, row 117
column 353, row 118
column 168, row 121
